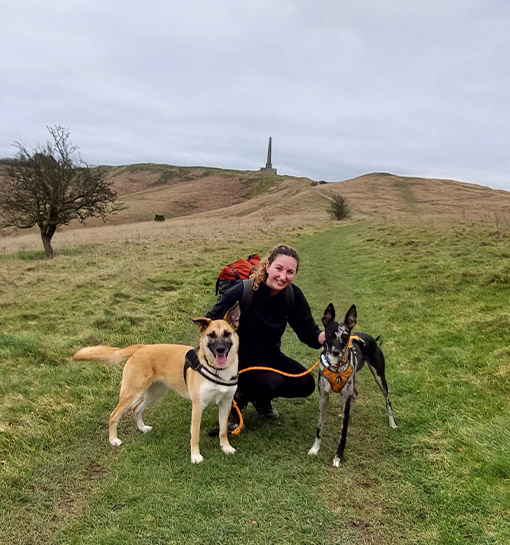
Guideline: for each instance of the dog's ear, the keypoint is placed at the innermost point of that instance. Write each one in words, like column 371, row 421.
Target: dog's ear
column 329, row 314
column 202, row 323
column 350, row 319
column 232, row 316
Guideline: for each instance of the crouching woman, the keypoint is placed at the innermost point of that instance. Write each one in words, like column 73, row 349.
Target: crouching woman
column 274, row 303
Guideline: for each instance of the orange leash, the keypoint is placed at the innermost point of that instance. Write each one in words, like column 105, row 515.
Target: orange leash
column 262, row 368
column 241, row 422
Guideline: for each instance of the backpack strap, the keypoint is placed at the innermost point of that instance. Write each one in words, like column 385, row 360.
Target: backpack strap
column 248, row 295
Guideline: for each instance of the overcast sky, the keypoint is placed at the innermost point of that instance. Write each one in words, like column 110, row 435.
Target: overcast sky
column 344, row 87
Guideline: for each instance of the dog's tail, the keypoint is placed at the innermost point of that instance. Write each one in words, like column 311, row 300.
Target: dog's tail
column 106, row 353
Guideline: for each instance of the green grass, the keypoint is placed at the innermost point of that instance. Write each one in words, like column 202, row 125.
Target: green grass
column 258, row 184
column 439, row 300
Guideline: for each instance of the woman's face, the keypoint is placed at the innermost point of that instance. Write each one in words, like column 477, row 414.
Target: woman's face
column 280, row 273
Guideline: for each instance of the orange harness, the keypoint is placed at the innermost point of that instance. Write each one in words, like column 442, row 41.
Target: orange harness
column 337, row 380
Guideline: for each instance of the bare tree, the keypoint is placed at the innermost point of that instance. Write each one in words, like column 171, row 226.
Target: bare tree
column 52, row 186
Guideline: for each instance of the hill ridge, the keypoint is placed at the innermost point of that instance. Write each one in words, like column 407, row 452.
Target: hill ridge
column 209, row 193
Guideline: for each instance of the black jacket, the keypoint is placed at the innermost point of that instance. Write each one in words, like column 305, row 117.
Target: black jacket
column 261, row 327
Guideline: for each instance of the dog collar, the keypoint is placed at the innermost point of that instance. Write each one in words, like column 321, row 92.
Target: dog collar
column 324, row 361
column 326, row 364
column 191, row 360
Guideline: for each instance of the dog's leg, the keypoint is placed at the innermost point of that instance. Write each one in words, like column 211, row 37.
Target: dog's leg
column 154, row 392
column 125, row 403
column 380, row 379
column 223, row 411
column 323, row 404
column 339, row 458
column 196, row 418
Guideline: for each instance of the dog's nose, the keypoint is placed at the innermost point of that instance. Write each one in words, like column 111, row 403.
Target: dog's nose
column 335, row 352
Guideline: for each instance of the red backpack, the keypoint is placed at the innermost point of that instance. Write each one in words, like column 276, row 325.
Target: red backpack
column 235, row 272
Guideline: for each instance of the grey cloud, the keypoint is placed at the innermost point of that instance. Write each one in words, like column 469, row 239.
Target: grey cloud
column 414, row 88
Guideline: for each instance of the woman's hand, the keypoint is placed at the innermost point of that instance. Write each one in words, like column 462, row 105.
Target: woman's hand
column 322, row 337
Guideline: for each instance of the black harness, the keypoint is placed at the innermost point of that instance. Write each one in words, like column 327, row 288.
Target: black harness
column 191, row 360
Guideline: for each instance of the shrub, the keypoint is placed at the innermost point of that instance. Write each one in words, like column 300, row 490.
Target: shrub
column 339, row 209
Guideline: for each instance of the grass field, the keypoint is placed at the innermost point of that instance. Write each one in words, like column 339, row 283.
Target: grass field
column 439, row 298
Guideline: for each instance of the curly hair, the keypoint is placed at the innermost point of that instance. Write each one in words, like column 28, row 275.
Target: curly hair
column 260, row 275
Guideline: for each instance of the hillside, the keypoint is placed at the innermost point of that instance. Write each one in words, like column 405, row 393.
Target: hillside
column 390, row 196
column 235, row 201
column 149, row 189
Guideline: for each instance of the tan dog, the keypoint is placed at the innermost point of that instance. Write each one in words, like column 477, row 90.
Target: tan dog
column 208, row 376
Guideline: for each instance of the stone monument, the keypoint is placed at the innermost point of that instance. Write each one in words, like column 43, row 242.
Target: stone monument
column 269, row 166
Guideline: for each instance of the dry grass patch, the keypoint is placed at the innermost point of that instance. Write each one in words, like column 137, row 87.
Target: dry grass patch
column 398, row 197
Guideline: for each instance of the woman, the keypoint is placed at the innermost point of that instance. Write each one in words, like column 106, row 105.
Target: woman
column 261, row 327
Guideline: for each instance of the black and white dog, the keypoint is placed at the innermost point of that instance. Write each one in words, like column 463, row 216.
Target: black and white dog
column 343, row 356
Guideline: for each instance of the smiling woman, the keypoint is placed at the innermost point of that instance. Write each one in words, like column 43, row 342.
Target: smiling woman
column 279, row 269
column 274, row 304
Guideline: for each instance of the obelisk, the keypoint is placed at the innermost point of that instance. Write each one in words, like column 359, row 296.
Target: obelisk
column 269, row 166
column 268, row 162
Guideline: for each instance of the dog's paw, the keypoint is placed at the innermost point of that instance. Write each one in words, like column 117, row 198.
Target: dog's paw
column 315, row 449
column 227, row 449
column 197, row 459
column 337, row 462
column 115, row 442
column 145, row 429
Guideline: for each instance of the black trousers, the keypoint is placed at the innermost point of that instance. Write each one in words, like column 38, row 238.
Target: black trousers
column 263, row 386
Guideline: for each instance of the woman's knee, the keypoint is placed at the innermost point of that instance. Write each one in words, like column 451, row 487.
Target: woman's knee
column 299, row 387
column 261, row 384
column 308, row 385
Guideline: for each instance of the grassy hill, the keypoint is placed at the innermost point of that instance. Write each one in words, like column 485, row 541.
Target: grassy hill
column 150, row 189
column 190, row 197
column 425, row 199
column 180, row 191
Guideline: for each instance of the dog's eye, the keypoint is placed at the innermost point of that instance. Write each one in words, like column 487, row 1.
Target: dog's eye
column 227, row 334
column 343, row 336
column 212, row 335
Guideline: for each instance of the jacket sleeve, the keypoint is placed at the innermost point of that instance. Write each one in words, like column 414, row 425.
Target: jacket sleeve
column 229, row 299
column 302, row 322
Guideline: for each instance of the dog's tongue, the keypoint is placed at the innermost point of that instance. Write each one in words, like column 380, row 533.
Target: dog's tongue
column 221, row 360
